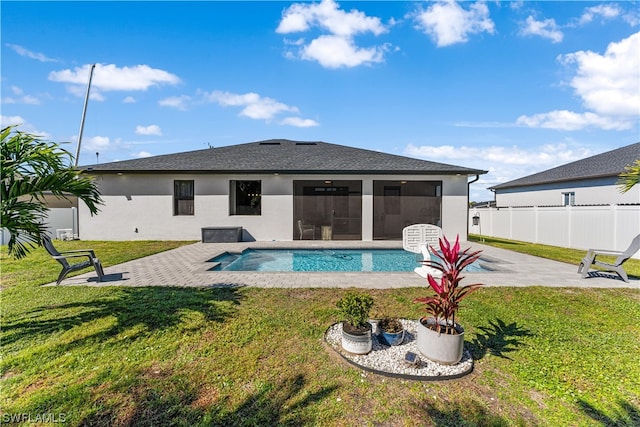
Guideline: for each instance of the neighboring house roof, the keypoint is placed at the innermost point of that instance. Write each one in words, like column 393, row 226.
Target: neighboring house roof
column 282, row 156
column 608, row 164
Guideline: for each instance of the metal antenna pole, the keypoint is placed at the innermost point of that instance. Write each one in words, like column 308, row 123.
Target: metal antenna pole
column 84, row 113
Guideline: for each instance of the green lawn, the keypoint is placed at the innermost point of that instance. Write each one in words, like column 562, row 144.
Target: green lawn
column 105, row 356
column 571, row 256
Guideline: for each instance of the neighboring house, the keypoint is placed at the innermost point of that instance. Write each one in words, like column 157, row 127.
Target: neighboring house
column 577, row 205
column 590, row 181
column 273, row 188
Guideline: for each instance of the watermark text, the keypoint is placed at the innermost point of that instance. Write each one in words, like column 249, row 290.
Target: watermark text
column 46, row 417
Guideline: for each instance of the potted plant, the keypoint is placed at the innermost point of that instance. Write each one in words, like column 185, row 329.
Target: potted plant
column 439, row 337
column 356, row 329
column 390, row 330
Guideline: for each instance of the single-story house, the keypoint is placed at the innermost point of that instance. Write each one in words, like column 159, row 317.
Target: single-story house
column 590, row 181
column 277, row 190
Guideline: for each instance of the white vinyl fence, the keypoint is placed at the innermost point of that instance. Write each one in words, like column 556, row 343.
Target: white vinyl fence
column 580, row 227
column 57, row 219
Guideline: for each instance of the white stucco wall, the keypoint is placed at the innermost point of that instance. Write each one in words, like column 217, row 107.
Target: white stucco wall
column 455, row 206
column 140, row 206
column 588, row 192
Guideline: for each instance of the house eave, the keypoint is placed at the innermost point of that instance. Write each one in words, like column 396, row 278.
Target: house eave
column 554, row 181
column 467, row 172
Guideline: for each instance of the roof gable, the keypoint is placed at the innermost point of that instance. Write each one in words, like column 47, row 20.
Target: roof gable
column 610, row 163
column 281, row 156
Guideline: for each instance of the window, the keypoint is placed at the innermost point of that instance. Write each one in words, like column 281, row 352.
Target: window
column 183, row 197
column 568, row 199
column 245, row 198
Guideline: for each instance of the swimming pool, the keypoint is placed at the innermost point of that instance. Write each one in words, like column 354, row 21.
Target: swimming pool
column 323, row 260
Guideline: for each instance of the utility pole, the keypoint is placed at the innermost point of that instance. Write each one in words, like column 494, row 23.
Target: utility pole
column 84, row 113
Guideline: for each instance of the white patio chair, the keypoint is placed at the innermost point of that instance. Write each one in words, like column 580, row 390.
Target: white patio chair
column 616, row 267
column 306, row 229
column 417, row 238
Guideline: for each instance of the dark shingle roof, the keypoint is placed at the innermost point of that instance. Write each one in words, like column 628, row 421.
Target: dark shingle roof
column 602, row 165
column 282, row 156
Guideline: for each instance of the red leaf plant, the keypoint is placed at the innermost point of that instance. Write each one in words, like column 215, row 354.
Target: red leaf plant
column 444, row 305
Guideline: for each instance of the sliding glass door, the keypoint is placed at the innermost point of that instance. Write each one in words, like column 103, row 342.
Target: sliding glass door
column 327, row 210
column 397, row 204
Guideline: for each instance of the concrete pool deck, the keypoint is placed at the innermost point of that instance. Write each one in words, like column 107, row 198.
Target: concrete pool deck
column 187, row 267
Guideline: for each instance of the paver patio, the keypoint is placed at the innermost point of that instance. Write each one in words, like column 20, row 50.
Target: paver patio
column 186, row 266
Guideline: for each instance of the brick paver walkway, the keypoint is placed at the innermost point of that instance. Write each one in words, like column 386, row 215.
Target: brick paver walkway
column 187, row 266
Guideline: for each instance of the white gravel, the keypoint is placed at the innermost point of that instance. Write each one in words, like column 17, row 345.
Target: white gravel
column 391, row 359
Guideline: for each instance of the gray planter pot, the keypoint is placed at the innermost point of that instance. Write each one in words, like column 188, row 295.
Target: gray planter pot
column 441, row 348
column 357, row 342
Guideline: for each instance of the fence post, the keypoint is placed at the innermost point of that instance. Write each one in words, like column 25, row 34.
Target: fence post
column 569, row 212
column 511, row 222
column 536, row 224
column 614, row 213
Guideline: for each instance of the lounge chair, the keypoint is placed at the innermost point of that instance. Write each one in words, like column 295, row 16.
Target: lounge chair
column 306, row 229
column 63, row 257
column 616, row 266
column 417, row 238
column 425, row 270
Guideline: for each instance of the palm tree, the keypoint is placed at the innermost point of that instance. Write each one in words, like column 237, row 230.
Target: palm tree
column 30, row 169
column 630, row 176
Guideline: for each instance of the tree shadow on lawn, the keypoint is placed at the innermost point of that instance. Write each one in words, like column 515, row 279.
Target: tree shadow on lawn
column 464, row 414
column 497, row 339
column 627, row 415
column 281, row 403
column 154, row 308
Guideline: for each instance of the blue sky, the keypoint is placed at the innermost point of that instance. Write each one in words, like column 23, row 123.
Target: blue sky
column 509, row 87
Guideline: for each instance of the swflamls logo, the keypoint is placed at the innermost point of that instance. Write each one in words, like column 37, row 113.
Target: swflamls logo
column 47, row 417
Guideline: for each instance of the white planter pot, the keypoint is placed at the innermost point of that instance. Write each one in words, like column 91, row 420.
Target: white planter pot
column 440, row 347
column 360, row 343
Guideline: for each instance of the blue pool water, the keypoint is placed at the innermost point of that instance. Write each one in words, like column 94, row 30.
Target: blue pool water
column 345, row 260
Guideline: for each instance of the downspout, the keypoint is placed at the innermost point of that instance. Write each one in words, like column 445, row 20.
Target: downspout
column 468, row 188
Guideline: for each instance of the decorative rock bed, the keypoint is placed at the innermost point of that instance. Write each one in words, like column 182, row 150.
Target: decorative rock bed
column 390, row 360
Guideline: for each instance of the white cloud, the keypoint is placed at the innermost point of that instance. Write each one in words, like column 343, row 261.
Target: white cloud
column 609, row 83
column 109, row 77
column 98, row 143
column 19, row 97
column 23, row 126
column 81, row 91
column 541, row 156
column 448, row 23
column 148, row 130
column 299, row 122
column 504, row 163
column 178, row 102
column 569, row 121
column 547, row 29
column 29, row 54
column 327, row 15
column 336, row 49
column 141, row 154
column 605, row 11
column 336, row 52
column 608, row 86
column 129, row 100
column 632, row 18
column 255, row 106
column 11, row 121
